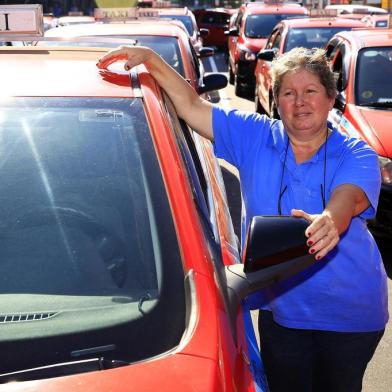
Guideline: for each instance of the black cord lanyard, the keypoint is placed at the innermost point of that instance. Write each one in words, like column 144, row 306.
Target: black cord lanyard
column 322, row 186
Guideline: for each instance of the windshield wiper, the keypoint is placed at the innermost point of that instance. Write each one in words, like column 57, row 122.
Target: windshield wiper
column 62, row 369
column 383, row 104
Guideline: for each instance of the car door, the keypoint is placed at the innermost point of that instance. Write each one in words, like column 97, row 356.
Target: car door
column 263, row 79
column 339, row 55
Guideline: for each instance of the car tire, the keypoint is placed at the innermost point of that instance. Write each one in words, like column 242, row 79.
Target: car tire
column 258, row 107
column 274, row 110
column 238, row 90
column 231, row 75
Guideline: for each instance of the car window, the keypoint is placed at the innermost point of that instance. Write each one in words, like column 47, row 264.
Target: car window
column 167, row 47
column 311, row 37
column 261, row 25
column 191, row 159
column 215, row 18
column 185, row 19
column 87, row 242
column 374, row 76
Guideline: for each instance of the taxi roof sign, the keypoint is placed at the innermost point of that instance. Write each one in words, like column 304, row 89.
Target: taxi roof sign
column 25, row 19
column 115, row 13
column 315, row 12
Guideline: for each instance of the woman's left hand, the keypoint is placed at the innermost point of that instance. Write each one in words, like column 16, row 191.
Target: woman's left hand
column 322, row 233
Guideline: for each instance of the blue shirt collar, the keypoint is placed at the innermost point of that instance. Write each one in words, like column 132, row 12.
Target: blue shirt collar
column 278, row 140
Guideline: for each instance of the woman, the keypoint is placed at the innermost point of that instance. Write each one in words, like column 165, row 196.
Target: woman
column 320, row 328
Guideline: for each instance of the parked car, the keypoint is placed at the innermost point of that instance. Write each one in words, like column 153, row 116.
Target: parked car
column 252, row 27
column 377, row 20
column 186, row 16
column 286, row 35
column 74, row 19
column 119, row 264
column 165, row 37
column 362, row 61
column 216, row 20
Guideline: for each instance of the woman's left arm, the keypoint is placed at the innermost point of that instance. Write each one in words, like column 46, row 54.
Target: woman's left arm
column 324, row 230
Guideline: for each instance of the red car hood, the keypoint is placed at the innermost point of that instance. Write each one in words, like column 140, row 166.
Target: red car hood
column 255, row 44
column 379, row 121
column 177, row 372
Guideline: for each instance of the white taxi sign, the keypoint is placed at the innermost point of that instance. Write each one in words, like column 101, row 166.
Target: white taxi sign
column 114, row 13
column 315, row 12
column 26, row 19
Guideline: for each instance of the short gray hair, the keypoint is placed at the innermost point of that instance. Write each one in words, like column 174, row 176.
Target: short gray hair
column 311, row 60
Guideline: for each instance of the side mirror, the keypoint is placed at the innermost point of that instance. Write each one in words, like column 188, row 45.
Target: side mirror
column 205, row 51
column 275, row 249
column 204, row 32
column 266, row 54
column 213, row 81
column 273, row 240
column 233, row 32
column 340, row 101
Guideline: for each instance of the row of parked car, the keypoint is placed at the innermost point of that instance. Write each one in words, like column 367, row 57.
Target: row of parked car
column 119, row 265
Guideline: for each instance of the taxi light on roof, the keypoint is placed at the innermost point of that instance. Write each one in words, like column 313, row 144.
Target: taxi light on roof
column 315, row 12
column 26, row 19
column 115, row 13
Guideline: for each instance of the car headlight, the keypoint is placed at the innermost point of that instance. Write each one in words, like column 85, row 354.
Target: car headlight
column 386, row 170
column 246, row 54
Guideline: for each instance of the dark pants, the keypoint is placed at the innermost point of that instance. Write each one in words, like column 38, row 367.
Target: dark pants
column 298, row 360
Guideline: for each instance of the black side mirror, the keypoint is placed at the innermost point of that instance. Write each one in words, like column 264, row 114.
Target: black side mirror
column 273, row 240
column 205, row 51
column 266, row 54
column 340, row 101
column 233, row 32
column 275, row 249
column 213, row 81
column 204, row 32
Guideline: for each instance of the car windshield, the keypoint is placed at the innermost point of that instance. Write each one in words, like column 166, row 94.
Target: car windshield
column 90, row 265
column 215, row 18
column 311, row 38
column 261, row 25
column 185, row 19
column 373, row 86
column 167, row 47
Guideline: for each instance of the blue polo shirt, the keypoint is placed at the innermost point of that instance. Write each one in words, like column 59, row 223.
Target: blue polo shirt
column 347, row 290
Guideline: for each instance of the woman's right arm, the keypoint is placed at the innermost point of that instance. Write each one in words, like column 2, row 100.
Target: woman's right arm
column 196, row 111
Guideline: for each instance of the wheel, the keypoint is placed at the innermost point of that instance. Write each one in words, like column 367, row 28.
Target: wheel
column 109, row 246
column 258, row 107
column 274, row 110
column 238, row 90
column 231, row 75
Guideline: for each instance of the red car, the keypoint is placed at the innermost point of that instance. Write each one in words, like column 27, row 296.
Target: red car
column 119, row 266
column 362, row 61
column 253, row 25
column 290, row 33
column 165, row 37
column 216, row 20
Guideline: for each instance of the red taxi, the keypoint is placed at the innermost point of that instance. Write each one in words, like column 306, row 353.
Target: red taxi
column 185, row 16
column 362, row 61
column 119, row 265
column 288, row 34
column 74, row 19
column 165, row 37
column 253, row 25
column 216, row 20
column 377, row 20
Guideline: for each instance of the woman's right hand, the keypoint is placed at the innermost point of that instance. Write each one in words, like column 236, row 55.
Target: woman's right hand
column 134, row 55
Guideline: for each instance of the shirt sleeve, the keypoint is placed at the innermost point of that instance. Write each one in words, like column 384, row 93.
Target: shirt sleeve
column 236, row 133
column 360, row 167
